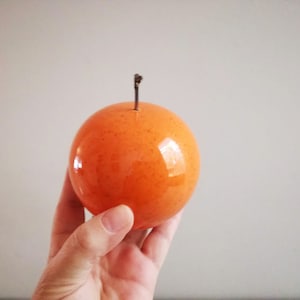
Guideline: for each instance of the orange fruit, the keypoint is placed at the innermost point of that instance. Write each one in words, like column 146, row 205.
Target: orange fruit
column 147, row 159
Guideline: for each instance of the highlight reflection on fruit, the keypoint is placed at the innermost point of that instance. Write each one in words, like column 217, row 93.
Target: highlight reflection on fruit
column 141, row 155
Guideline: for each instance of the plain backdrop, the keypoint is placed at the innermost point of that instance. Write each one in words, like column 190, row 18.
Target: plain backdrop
column 230, row 69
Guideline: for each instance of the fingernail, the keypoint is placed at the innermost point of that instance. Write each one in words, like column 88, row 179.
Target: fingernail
column 117, row 218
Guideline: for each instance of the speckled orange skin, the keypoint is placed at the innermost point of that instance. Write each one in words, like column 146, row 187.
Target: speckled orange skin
column 147, row 159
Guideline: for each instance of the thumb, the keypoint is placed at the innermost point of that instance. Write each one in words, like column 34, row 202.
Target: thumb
column 90, row 241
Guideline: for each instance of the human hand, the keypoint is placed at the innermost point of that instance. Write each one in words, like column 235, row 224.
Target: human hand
column 102, row 258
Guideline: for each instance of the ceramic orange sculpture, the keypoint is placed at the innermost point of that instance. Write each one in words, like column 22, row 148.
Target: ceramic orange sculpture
column 138, row 154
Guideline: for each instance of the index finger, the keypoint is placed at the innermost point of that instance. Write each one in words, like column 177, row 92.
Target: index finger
column 68, row 216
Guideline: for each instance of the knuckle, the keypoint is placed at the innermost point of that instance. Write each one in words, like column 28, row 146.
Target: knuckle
column 84, row 239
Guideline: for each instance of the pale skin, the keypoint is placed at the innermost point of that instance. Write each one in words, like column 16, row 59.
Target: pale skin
column 102, row 258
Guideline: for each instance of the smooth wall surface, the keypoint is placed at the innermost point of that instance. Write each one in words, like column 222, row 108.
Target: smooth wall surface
column 230, row 69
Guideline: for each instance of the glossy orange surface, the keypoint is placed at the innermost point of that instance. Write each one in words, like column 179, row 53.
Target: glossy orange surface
column 147, row 159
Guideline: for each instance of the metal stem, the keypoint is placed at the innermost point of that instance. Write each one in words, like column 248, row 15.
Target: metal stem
column 137, row 80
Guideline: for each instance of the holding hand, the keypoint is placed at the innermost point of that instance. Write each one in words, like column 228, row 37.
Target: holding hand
column 102, row 258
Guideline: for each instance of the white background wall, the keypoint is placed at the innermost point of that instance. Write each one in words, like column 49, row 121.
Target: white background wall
column 231, row 69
